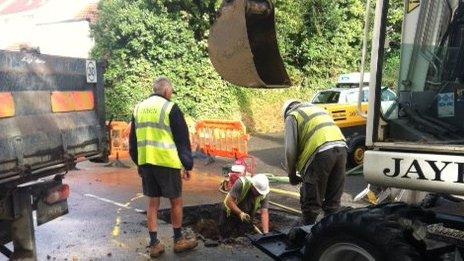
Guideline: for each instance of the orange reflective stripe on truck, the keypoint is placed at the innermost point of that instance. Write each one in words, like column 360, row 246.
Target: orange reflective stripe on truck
column 7, row 106
column 72, row 101
column 84, row 100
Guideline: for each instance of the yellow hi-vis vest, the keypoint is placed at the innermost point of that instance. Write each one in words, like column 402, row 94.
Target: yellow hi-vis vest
column 315, row 128
column 246, row 186
column 155, row 143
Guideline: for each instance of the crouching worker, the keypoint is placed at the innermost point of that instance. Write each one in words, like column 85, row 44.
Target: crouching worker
column 246, row 197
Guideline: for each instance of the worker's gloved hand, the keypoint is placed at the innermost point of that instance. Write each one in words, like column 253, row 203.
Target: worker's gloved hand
column 295, row 180
column 244, row 217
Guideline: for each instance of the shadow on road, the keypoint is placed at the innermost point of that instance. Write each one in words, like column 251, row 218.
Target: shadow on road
column 272, row 157
column 274, row 137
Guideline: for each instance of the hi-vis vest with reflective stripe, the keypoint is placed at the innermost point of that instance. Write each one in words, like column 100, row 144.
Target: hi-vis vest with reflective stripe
column 155, row 143
column 315, row 128
column 246, row 186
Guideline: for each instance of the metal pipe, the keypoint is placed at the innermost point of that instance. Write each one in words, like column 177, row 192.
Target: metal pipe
column 257, row 229
column 285, row 207
column 81, row 159
column 285, row 192
column 49, row 168
column 363, row 59
column 354, row 170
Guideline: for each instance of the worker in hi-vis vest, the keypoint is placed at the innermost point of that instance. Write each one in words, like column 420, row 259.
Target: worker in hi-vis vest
column 159, row 144
column 315, row 152
column 247, row 196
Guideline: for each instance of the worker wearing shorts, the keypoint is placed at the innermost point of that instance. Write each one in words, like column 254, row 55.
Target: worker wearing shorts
column 159, row 144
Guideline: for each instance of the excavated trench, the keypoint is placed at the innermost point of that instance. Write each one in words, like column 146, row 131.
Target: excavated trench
column 204, row 220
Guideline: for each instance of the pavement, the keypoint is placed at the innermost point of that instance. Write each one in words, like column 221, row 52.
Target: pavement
column 107, row 222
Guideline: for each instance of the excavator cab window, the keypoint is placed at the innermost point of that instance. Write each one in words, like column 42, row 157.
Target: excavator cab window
column 430, row 87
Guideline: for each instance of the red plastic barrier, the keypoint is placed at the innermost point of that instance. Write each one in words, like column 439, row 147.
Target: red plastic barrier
column 219, row 138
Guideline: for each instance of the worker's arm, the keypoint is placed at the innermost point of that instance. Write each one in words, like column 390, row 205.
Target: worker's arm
column 133, row 142
column 181, row 137
column 231, row 203
column 265, row 214
column 291, row 148
column 232, row 198
column 265, row 220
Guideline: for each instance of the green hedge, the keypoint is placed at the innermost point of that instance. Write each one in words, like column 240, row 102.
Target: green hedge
column 144, row 39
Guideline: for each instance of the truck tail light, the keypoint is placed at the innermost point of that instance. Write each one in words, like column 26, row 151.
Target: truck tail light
column 57, row 194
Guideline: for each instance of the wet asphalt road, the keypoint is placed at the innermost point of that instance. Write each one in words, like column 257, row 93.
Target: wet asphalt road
column 105, row 220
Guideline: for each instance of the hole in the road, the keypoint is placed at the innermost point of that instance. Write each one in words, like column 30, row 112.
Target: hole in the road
column 205, row 220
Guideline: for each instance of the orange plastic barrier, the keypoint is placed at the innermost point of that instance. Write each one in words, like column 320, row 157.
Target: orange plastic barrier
column 72, row 101
column 7, row 108
column 119, row 139
column 226, row 139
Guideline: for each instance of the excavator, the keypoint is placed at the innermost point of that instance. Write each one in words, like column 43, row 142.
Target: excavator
column 415, row 146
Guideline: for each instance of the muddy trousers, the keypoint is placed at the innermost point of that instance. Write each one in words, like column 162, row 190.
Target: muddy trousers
column 323, row 184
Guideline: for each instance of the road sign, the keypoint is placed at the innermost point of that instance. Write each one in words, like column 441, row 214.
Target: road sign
column 91, row 71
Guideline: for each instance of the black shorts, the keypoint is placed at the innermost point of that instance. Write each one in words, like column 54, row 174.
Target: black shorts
column 161, row 182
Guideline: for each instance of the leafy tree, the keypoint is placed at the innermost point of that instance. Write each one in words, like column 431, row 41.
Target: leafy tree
column 141, row 41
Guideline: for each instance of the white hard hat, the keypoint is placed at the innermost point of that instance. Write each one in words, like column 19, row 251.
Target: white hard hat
column 289, row 104
column 261, row 183
column 238, row 168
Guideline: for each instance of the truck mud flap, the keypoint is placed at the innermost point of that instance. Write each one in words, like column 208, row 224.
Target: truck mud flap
column 277, row 246
column 242, row 45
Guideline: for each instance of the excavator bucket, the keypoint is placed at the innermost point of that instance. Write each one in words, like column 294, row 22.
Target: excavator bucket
column 242, row 45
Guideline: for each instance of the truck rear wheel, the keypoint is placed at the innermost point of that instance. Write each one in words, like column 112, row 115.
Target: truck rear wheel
column 373, row 233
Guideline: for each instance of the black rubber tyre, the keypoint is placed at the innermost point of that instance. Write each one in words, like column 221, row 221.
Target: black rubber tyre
column 356, row 149
column 377, row 231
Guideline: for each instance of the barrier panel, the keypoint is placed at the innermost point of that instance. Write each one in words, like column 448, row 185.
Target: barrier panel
column 119, row 138
column 219, row 138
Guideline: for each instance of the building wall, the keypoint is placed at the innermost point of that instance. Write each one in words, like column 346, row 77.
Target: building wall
column 57, row 27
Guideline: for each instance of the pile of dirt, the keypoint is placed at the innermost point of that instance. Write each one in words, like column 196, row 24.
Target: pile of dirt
column 208, row 228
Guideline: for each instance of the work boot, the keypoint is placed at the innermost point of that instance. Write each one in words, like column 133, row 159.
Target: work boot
column 184, row 244
column 156, row 250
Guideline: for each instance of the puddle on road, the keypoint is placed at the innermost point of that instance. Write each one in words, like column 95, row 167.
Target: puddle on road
column 204, row 221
